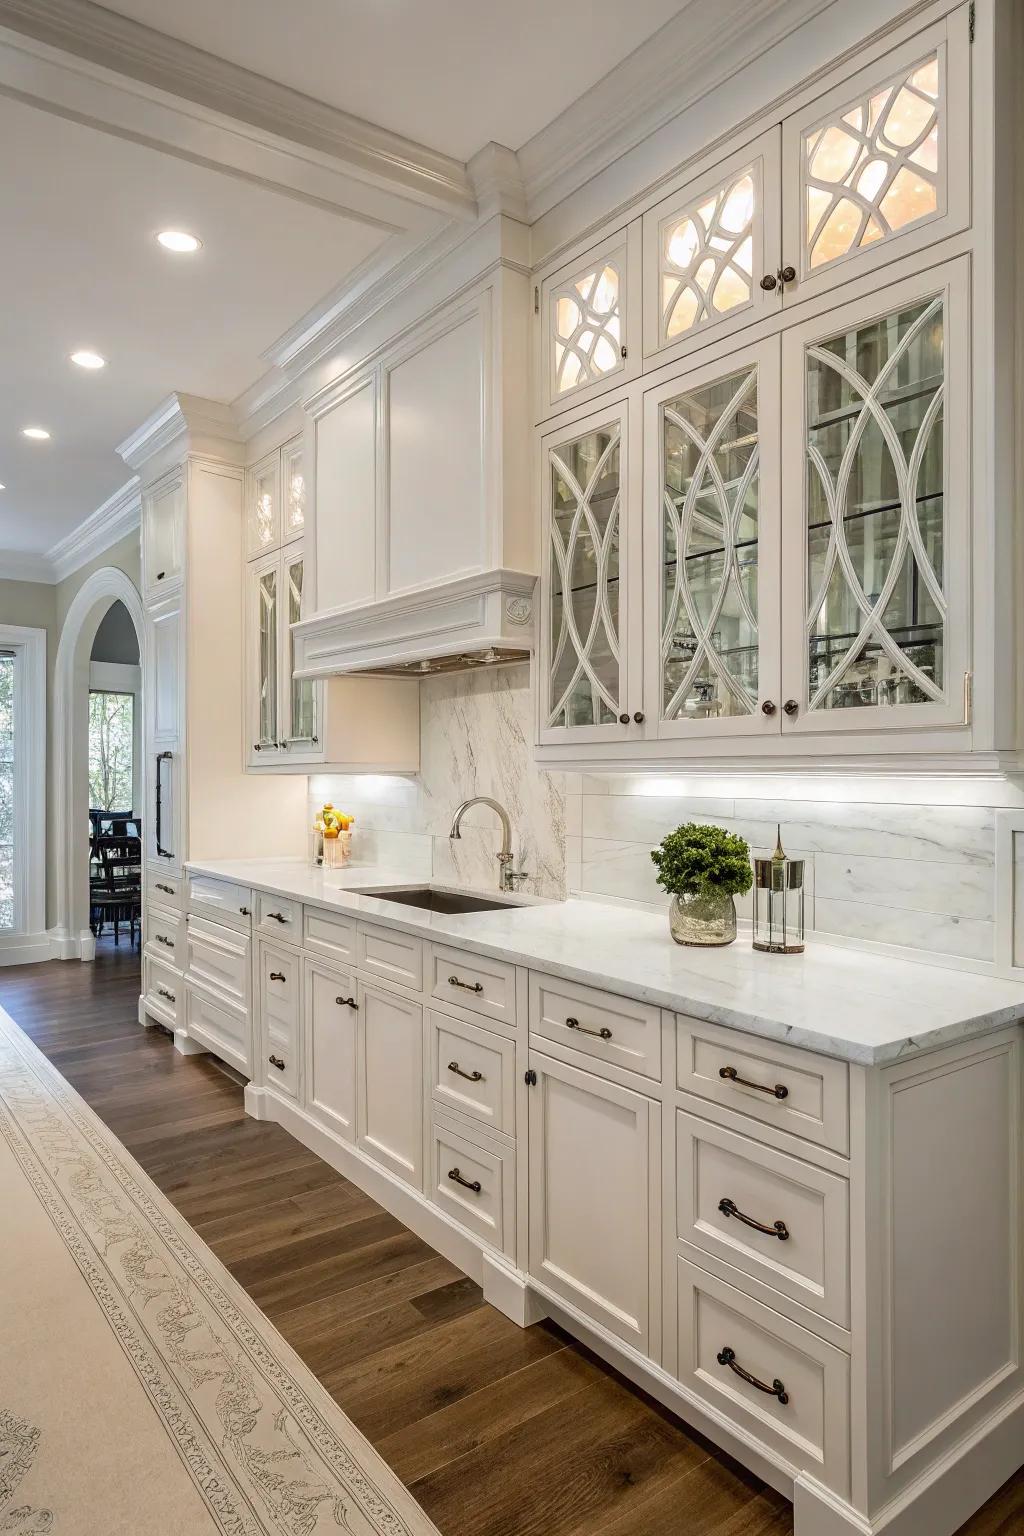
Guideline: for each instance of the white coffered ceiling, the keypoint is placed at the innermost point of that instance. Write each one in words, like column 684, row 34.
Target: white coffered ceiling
column 453, row 74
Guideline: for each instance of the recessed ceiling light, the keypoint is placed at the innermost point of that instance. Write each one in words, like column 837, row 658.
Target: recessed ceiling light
column 40, row 434
column 3, row 487
column 178, row 240
column 88, row 359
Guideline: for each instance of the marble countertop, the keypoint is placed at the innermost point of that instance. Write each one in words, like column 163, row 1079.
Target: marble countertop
column 844, row 1002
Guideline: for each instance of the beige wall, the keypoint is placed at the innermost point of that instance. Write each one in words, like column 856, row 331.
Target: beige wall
column 43, row 606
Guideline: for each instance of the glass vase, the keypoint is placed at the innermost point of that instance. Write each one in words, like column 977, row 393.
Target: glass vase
column 704, row 920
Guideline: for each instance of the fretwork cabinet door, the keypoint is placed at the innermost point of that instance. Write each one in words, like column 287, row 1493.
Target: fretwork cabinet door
column 711, row 547
column 876, row 491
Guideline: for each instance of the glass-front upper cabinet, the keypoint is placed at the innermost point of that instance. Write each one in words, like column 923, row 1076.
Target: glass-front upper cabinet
column 712, row 496
column 293, row 491
column 588, row 323
column 876, row 566
column 878, row 166
column 711, row 252
column 586, row 687
column 264, row 627
column 263, row 506
column 300, row 693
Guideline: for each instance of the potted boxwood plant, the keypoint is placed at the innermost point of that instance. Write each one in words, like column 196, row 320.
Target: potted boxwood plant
column 703, row 868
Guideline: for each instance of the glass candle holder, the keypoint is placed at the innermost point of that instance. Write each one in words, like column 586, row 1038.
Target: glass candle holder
column 779, row 902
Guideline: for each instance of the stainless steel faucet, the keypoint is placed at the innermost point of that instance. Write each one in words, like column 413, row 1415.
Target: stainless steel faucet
column 506, row 876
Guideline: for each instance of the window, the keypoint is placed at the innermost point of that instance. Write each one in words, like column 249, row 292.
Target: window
column 7, row 663
column 111, row 751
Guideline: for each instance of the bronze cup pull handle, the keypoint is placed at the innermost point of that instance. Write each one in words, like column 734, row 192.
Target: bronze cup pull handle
column 473, row 1184
column 473, row 1077
column 604, row 1033
column 777, row 1229
column 727, row 1357
column 777, row 1090
column 467, row 986
column 275, row 1061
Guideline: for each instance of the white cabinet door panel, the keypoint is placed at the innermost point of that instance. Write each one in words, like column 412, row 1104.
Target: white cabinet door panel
column 346, row 499
column 390, row 1082
column 330, row 1014
column 596, row 1148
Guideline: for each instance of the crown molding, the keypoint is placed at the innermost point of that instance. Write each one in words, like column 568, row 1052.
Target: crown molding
column 692, row 54
column 87, row 62
column 118, row 516
column 185, row 419
column 497, row 180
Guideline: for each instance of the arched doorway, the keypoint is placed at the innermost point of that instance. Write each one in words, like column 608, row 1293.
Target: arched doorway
column 91, row 604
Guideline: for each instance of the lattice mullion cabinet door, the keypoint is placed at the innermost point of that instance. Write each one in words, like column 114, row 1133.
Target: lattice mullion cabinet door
column 879, row 166
column 590, row 495
column 293, row 493
column 587, row 325
column 712, row 547
column 711, row 253
column 301, row 699
column 263, row 506
column 876, row 491
column 263, row 621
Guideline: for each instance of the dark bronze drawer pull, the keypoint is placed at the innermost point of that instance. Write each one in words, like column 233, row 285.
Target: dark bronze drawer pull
column 779, row 1091
column 275, row 1061
column 601, row 1034
column 727, row 1357
column 473, row 1077
column 467, row 986
column 164, row 993
column 473, row 1184
column 168, row 888
column 162, row 938
column 347, row 1002
column 278, row 976
column 244, row 911
column 777, row 1229
column 278, row 917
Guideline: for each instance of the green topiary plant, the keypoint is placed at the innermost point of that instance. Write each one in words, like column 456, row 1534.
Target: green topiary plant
column 695, row 860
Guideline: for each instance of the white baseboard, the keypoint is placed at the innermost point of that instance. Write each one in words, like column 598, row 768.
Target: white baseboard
column 27, row 948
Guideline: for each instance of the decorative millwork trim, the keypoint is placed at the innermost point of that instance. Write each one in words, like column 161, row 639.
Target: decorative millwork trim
column 131, row 49
column 179, row 416
column 118, row 516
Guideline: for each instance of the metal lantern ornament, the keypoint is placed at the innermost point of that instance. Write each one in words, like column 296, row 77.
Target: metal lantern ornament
column 779, row 902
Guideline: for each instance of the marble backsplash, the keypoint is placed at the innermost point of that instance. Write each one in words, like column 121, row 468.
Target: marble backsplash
column 880, row 866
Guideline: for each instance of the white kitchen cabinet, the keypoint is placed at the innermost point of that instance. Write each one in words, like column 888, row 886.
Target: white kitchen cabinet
column 711, row 253
column 330, row 1012
column 163, row 535
column 263, row 506
column 879, row 165
column 595, row 1148
column 588, row 330
column 293, row 490
column 389, row 1074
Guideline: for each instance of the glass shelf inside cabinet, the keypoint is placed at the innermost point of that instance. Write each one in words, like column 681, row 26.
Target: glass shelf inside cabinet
column 583, row 680
column 709, row 641
column 876, row 620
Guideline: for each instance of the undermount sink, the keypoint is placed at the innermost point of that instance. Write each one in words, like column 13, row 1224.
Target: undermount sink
column 429, row 900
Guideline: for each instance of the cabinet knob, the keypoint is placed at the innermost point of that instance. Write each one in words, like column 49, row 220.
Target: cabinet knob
column 787, row 275
column 623, row 352
column 768, row 706
column 639, row 717
column 791, row 706
column 160, row 575
column 769, row 281
column 623, row 719
column 275, row 1061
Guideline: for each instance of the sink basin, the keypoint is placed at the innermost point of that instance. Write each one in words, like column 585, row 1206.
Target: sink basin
column 429, row 900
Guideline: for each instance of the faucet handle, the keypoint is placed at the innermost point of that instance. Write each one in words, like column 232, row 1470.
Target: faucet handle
column 513, row 875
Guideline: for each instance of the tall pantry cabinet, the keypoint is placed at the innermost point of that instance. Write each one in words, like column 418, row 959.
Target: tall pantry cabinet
column 200, row 803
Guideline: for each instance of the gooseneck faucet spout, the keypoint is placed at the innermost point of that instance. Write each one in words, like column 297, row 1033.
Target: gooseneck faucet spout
column 506, row 881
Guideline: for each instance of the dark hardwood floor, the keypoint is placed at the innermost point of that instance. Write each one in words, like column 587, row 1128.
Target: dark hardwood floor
column 498, row 1431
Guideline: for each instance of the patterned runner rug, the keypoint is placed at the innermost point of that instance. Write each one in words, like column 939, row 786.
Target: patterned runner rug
column 142, row 1393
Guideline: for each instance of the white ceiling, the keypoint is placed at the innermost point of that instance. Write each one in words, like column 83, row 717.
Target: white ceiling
column 79, row 267
column 451, row 74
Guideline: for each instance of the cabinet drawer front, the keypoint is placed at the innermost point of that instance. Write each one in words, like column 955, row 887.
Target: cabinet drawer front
column 329, row 934
column 225, row 1031
column 391, row 955
column 162, row 989
column 280, row 974
column 725, row 1181
column 164, row 933
column 164, row 890
column 718, row 1324
column 217, row 958
column 223, row 900
column 793, row 1090
column 485, row 986
column 473, row 1071
column 605, row 1027
column 330, row 1011
column 279, row 917
column 474, row 1184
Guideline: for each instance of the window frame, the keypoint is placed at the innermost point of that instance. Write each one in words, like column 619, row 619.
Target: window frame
column 29, row 646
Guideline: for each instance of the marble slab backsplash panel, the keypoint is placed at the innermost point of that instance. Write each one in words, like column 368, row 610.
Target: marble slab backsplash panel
column 917, row 875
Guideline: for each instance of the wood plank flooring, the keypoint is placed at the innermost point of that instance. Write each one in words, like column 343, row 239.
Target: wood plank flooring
column 498, row 1431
